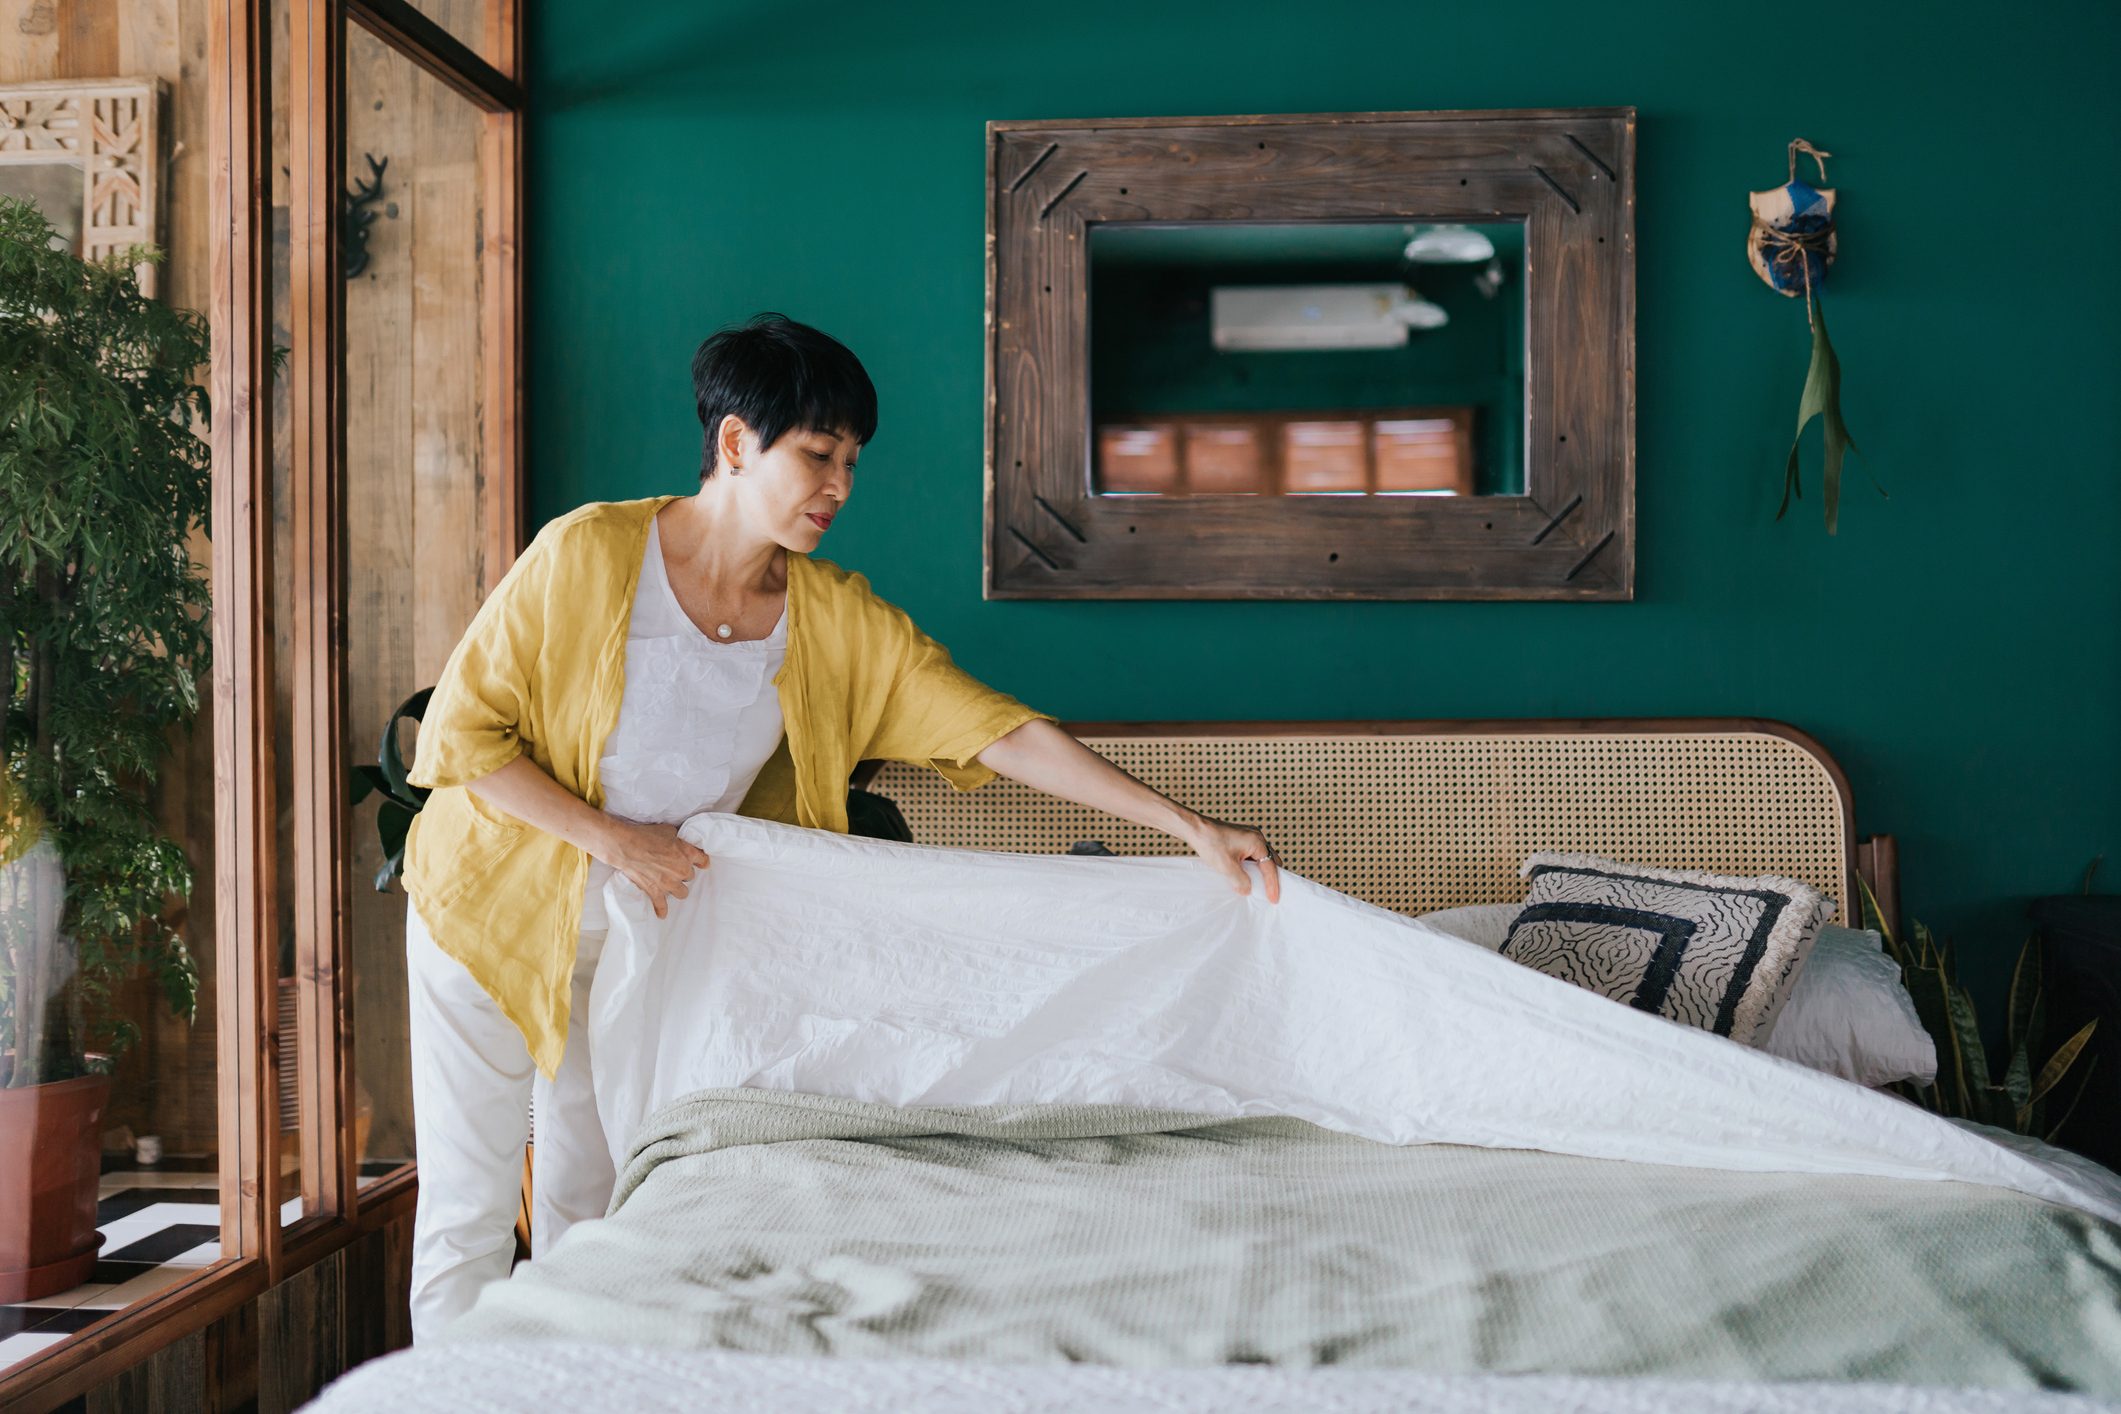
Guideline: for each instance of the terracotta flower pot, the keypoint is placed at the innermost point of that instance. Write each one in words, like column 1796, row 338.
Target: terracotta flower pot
column 50, row 1161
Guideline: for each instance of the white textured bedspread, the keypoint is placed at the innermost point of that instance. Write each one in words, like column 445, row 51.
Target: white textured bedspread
column 492, row 1377
column 909, row 975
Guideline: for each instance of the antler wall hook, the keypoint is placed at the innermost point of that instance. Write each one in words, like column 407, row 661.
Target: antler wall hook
column 356, row 216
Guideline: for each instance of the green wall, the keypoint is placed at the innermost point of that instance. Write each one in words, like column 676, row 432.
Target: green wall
column 1958, row 647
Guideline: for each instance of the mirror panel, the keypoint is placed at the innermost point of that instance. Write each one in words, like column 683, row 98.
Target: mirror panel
column 418, row 491
column 1208, row 378
column 1343, row 359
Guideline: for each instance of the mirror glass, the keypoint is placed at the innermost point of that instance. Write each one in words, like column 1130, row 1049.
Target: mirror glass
column 53, row 188
column 1366, row 358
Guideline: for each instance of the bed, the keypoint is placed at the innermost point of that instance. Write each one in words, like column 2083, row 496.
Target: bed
column 802, row 1251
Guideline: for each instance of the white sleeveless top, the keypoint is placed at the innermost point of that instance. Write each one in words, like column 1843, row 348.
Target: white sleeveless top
column 697, row 718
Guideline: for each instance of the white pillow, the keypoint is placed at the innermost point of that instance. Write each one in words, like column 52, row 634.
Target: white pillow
column 1487, row 924
column 1848, row 1013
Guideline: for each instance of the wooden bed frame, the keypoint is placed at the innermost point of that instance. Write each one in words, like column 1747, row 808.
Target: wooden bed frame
column 1420, row 815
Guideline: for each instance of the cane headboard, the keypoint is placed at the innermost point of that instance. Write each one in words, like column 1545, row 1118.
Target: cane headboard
column 1415, row 816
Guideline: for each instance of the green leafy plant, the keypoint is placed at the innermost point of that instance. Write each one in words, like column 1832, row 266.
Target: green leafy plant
column 401, row 799
column 1967, row 1085
column 103, row 627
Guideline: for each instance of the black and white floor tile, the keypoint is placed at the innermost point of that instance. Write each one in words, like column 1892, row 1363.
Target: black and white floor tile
column 159, row 1226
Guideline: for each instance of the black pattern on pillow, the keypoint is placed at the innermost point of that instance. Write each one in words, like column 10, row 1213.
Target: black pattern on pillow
column 1719, row 953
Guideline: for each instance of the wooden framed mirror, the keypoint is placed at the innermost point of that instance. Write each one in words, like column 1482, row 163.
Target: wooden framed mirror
column 91, row 155
column 1317, row 356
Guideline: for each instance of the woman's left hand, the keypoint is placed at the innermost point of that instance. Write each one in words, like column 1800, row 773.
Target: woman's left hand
column 1228, row 846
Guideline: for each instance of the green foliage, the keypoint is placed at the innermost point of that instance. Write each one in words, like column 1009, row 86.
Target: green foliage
column 103, row 614
column 401, row 799
column 1967, row 1085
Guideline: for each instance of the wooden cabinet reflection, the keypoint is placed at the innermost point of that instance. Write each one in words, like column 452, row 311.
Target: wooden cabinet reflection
column 1381, row 452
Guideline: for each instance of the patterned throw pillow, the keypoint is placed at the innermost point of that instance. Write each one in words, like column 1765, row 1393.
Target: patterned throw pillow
column 1708, row 951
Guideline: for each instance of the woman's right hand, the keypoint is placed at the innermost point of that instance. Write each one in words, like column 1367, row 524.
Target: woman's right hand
column 659, row 863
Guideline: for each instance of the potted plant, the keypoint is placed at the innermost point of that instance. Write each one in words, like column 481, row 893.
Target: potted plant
column 103, row 636
column 1967, row 1084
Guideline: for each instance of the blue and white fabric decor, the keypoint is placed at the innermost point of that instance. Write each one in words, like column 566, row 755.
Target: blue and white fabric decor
column 1791, row 243
column 1719, row 953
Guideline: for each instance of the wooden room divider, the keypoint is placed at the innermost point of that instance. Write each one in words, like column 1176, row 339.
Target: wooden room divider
column 313, row 1254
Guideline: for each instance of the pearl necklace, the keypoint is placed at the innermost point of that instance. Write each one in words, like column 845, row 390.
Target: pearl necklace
column 721, row 630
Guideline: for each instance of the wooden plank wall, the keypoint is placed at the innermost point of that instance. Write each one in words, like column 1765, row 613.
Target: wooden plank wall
column 416, row 575
column 414, row 477
column 415, row 505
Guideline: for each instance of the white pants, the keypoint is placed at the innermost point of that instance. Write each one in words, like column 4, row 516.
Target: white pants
column 473, row 1084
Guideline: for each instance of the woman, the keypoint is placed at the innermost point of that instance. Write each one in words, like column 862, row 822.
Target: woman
column 642, row 662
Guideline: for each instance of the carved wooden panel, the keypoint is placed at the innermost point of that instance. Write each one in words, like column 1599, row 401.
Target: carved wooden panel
column 1568, row 173
column 112, row 130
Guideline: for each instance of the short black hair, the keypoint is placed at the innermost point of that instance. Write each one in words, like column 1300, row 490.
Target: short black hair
column 780, row 376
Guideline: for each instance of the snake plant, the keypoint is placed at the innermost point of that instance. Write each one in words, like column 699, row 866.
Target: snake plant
column 1967, row 1086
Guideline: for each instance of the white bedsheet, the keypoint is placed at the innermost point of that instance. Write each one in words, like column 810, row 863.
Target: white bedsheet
column 913, row 975
column 473, row 1377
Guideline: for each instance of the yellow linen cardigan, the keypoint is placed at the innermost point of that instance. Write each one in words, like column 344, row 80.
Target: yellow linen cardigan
column 540, row 671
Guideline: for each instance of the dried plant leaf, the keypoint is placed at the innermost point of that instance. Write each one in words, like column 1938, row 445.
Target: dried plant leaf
column 1821, row 399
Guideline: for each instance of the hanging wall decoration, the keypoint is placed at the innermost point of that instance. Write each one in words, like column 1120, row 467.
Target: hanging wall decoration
column 357, row 214
column 1791, row 246
column 90, row 154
